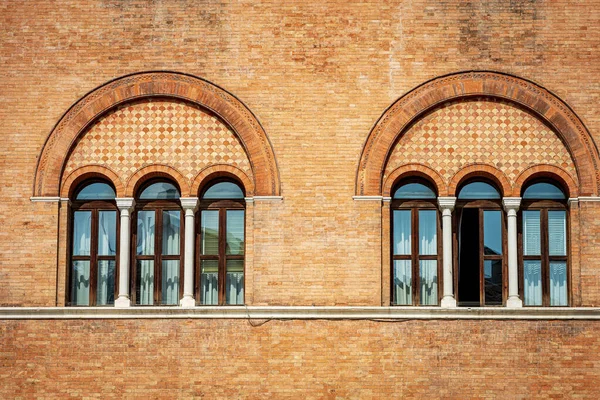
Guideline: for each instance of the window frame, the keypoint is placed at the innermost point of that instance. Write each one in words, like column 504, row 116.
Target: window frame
column 95, row 206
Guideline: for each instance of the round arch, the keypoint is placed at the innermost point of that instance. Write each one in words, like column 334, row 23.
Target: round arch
column 78, row 118
column 484, row 171
column 414, row 170
column 148, row 172
column 542, row 103
column 221, row 171
column 546, row 171
column 89, row 172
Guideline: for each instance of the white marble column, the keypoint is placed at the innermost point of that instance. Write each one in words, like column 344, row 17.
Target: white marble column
column 511, row 205
column 189, row 204
column 125, row 205
column 446, row 205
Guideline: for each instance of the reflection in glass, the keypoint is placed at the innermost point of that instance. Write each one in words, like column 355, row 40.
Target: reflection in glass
column 557, row 233
column 159, row 191
column 209, row 227
column 544, row 190
column 492, row 270
column 427, row 232
column 531, row 233
column 209, row 278
column 107, row 233
column 532, row 279
column 402, row 232
column 558, row 283
column 96, row 191
column 105, row 283
column 170, row 282
column 170, row 231
column 80, row 283
column 414, row 191
column 402, row 282
column 224, row 190
column 145, row 233
column 492, row 232
column 478, row 190
column 429, row 282
column 82, row 231
column 234, row 287
column 235, row 232
column 145, row 282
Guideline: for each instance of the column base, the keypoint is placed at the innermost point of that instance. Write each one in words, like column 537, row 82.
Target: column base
column 122, row 302
column 448, row 302
column 187, row 301
column 514, row 302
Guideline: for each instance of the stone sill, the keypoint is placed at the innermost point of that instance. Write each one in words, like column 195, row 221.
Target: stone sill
column 300, row 313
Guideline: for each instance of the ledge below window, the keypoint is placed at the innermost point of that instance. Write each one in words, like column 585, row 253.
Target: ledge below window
column 299, row 312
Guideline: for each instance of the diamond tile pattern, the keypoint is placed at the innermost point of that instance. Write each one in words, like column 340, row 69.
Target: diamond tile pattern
column 168, row 132
column 460, row 133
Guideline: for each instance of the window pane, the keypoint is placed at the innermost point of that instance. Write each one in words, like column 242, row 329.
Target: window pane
column 478, row 190
column 427, row 232
column 145, row 233
column 96, row 191
column 429, row 282
column 402, row 282
column 557, row 233
column 170, row 231
column 531, row 233
column 234, row 288
column 414, row 191
column 492, row 232
column 209, row 226
column 224, row 190
column 107, row 233
column 402, row 232
column 544, row 191
column 105, row 284
column 558, row 283
column 209, row 277
column 160, row 190
column 144, row 284
column 170, row 282
column 492, row 270
column 532, row 282
column 82, row 231
column 80, row 283
column 235, row 232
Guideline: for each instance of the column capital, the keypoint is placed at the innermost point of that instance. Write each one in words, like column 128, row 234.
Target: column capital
column 189, row 203
column 511, row 203
column 446, row 203
column 125, row 203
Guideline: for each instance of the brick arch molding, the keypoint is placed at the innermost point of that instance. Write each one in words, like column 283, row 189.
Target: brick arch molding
column 84, row 112
column 539, row 101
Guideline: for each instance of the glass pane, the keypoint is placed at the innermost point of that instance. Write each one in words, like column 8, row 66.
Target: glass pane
column 160, row 190
column 224, row 190
column 429, row 282
column 544, row 191
column 209, row 227
column 170, row 232
column 402, row 282
column 82, row 232
column 478, row 190
column 558, row 283
column 492, row 232
column 557, row 233
column 107, row 233
column 80, row 283
column 531, row 233
column 144, row 284
column 145, row 233
column 414, row 191
column 96, row 191
column 427, row 232
column 235, row 232
column 402, row 232
column 105, row 284
column 234, row 287
column 170, row 282
column 210, row 277
column 532, row 282
column 492, row 270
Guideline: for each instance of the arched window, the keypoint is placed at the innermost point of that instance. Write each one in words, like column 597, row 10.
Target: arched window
column 480, row 228
column 415, row 244
column 221, row 237
column 93, row 248
column 158, row 239
column 544, row 239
